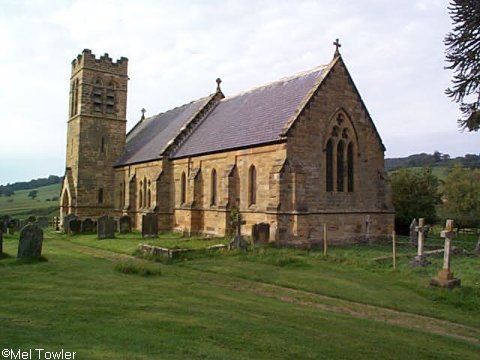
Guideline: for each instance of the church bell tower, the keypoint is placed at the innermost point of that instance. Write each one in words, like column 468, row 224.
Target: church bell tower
column 96, row 134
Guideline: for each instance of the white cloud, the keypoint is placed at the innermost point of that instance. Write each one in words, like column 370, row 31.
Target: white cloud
column 177, row 49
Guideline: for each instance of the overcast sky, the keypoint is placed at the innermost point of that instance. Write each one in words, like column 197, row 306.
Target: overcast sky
column 176, row 49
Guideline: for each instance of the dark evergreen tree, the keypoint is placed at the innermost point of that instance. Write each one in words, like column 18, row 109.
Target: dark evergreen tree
column 463, row 56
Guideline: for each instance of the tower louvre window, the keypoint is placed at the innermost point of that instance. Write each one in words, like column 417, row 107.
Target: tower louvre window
column 97, row 99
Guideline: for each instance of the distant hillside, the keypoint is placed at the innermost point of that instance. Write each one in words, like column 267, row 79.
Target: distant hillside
column 9, row 189
column 21, row 205
column 432, row 160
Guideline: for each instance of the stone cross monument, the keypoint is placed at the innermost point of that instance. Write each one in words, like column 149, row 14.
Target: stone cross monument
column 420, row 259
column 445, row 276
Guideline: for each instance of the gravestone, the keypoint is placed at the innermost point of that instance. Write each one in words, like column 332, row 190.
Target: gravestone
column 42, row 222
column 1, row 241
column 238, row 241
column 88, row 226
column 56, row 223
column 125, row 224
column 413, row 232
column 66, row 222
column 445, row 277
column 31, row 219
column 477, row 247
column 30, row 243
column 106, row 227
column 261, row 233
column 420, row 259
column 3, row 227
column 75, row 226
column 149, row 225
column 12, row 226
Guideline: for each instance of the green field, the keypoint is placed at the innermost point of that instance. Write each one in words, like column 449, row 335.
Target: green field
column 21, row 206
column 270, row 303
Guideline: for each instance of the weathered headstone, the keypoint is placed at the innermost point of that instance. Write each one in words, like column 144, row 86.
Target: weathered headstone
column 56, row 223
column 75, row 226
column 413, row 232
column 261, row 233
column 149, row 225
column 42, row 222
column 30, row 243
column 1, row 241
column 31, row 219
column 66, row 222
column 420, row 259
column 88, row 226
column 12, row 226
column 477, row 247
column 125, row 224
column 445, row 276
column 106, row 227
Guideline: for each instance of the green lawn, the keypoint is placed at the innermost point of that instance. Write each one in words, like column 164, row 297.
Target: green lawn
column 21, row 206
column 267, row 304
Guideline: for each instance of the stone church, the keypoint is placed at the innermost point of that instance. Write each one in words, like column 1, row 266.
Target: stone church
column 295, row 154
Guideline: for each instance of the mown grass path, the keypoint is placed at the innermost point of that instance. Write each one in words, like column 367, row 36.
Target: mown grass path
column 303, row 298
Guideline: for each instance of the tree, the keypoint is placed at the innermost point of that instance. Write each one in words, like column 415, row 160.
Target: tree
column 415, row 195
column 463, row 56
column 462, row 196
column 33, row 194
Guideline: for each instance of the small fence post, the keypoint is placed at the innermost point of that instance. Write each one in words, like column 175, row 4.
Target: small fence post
column 394, row 251
column 324, row 239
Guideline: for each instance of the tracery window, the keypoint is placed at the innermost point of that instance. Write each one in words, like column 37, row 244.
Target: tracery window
column 339, row 156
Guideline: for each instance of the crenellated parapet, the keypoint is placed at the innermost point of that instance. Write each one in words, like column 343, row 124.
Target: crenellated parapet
column 87, row 60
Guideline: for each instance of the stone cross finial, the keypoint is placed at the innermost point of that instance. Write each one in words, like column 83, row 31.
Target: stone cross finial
column 143, row 113
column 337, row 46
column 219, row 81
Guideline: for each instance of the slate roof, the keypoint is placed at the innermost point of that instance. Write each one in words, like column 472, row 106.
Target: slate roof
column 252, row 118
column 149, row 138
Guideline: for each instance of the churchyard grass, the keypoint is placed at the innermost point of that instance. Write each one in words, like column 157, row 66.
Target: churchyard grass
column 267, row 303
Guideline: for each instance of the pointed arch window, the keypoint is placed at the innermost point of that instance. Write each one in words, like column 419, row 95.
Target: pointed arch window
column 97, row 96
column 74, row 108
column 110, row 98
column 340, row 166
column 149, row 195
column 102, row 145
column 100, row 196
column 339, row 155
column 329, row 167
column 183, row 189
column 350, row 175
column 213, row 188
column 122, row 194
column 140, row 196
column 252, row 185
